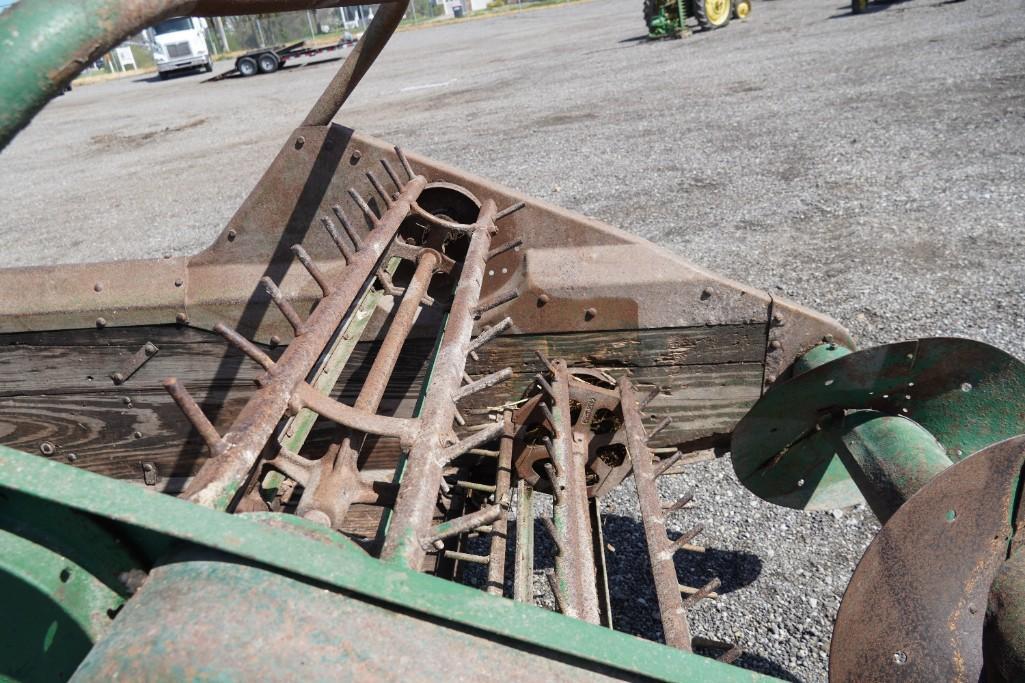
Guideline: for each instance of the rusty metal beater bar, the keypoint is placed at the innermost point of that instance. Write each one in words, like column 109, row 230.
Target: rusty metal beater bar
column 500, row 527
column 219, row 480
column 431, row 450
column 335, row 482
column 574, row 579
column 661, row 550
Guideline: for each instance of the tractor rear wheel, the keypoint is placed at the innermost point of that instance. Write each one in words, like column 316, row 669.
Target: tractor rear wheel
column 742, row 9
column 713, row 14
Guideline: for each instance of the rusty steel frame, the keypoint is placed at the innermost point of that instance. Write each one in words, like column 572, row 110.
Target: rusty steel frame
column 500, row 527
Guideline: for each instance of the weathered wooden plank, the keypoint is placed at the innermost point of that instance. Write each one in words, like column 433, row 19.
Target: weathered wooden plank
column 706, row 376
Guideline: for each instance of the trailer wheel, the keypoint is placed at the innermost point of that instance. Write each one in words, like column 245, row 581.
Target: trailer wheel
column 268, row 63
column 712, row 14
column 247, row 66
column 742, row 9
column 858, row 6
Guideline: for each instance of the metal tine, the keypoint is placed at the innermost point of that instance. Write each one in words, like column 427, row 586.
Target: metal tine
column 292, row 465
column 643, row 403
column 460, row 420
column 380, row 188
column 687, row 537
column 701, row 593
column 663, row 423
column 194, row 414
column 549, row 526
column 678, row 505
column 467, row 378
column 502, row 248
column 553, row 479
column 459, row 525
column 244, row 345
column 405, row 162
column 544, row 359
column 483, row 383
column 475, row 440
column 353, row 234
column 512, row 208
column 311, row 268
column 476, row 486
column 336, row 238
column 549, row 446
column 500, row 528
column 363, row 206
column 282, row 303
column 664, row 465
column 547, row 412
column 488, row 334
column 483, row 452
column 544, row 384
column 496, row 301
column 689, row 590
column 391, row 173
column 553, row 584
column 467, row 557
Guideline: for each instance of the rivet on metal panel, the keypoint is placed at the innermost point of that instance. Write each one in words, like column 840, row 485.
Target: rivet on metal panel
column 299, row 142
column 101, row 323
column 542, row 299
column 149, row 473
column 181, row 317
column 775, row 345
column 590, row 313
column 98, row 287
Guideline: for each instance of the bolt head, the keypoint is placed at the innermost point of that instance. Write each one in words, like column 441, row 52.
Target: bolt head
column 101, row 323
column 47, row 448
column 299, row 142
column 275, row 340
column 138, row 435
column 590, row 313
column 98, row 287
column 127, row 401
column 117, row 377
column 775, row 345
column 542, row 299
column 72, row 457
column 356, row 156
column 149, row 349
column 232, row 235
column 181, row 317
column 179, row 282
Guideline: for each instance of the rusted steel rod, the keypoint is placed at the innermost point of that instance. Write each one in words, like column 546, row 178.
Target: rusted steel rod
column 574, row 565
column 404, row 428
column 465, row 523
column 221, row 477
column 660, row 550
column 500, row 527
column 523, row 570
column 356, row 64
column 422, row 474
column 335, row 479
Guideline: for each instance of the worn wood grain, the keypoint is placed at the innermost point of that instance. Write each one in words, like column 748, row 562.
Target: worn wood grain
column 55, row 387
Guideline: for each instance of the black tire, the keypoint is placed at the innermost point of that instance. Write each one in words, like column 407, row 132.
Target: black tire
column 208, row 67
column 858, row 6
column 163, row 75
column 651, row 9
column 268, row 63
column 247, row 66
column 713, row 14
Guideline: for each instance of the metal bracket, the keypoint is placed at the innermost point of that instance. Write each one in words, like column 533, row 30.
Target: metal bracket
column 137, row 360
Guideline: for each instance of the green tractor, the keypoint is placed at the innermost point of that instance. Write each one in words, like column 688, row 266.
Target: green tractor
column 668, row 18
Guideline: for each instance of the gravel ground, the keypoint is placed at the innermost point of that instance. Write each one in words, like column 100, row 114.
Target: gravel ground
column 869, row 167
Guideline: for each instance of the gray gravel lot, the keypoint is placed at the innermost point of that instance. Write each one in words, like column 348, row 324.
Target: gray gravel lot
column 869, row 167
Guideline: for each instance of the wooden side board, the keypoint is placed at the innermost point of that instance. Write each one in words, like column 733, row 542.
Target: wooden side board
column 56, row 390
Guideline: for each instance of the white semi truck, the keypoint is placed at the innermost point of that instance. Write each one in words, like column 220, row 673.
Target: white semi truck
column 180, row 43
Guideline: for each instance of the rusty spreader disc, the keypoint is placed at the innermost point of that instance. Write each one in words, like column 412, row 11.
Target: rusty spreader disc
column 914, row 609
column 966, row 393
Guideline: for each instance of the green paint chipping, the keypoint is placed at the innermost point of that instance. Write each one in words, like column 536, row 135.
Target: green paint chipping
column 138, row 513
